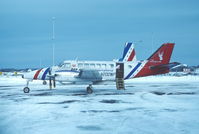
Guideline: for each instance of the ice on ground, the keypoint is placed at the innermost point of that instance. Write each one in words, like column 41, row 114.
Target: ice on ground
column 150, row 105
column 164, row 79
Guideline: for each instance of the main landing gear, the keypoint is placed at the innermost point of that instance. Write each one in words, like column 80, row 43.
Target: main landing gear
column 26, row 90
column 89, row 89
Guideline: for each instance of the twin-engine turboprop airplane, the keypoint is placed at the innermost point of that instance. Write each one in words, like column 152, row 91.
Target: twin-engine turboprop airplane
column 96, row 72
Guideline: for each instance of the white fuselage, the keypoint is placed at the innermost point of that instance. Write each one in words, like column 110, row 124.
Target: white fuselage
column 69, row 70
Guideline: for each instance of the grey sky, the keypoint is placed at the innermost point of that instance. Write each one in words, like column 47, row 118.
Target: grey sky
column 95, row 29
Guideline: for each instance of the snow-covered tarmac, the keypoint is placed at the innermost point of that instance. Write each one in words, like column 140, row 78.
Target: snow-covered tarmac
column 150, row 105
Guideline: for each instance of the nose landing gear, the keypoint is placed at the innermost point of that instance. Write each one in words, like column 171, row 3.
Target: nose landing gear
column 26, row 90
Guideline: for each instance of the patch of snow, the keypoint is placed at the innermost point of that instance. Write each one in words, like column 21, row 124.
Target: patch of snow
column 164, row 79
column 166, row 105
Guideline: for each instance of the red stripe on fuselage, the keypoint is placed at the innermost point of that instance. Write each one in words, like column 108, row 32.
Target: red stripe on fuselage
column 131, row 56
column 37, row 73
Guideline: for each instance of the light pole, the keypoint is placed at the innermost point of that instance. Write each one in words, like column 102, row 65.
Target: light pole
column 53, row 38
column 152, row 42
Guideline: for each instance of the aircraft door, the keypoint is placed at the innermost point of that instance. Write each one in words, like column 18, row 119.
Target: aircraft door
column 119, row 70
column 119, row 75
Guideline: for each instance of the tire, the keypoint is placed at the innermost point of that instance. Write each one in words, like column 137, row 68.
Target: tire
column 89, row 90
column 44, row 82
column 26, row 90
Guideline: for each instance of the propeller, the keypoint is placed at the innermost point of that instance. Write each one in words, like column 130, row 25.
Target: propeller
column 51, row 79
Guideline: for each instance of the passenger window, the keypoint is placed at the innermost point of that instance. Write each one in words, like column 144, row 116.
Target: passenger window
column 111, row 65
column 86, row 65
column 129, row 66
column 80, row 65
column 103, row 65
column 92, row 65
column 98, row 65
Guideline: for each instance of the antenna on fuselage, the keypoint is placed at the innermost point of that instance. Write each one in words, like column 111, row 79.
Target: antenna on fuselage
column 53, row 39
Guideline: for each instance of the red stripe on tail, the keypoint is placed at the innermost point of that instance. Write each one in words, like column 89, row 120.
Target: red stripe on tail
column 131, row 56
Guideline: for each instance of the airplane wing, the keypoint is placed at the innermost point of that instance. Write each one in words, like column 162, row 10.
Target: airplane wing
column 92, row 75
column 165, row 66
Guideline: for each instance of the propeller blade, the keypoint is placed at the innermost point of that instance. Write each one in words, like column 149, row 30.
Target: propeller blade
column 50, row 83
column 54, row 82
column 50, row 80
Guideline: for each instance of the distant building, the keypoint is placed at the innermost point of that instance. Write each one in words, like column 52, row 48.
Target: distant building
column 187, row 70
column 179, row 68
column 183, row 69
column 197, row 71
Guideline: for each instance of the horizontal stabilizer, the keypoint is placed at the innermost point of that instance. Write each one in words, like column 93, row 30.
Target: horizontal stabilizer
column 165, row 66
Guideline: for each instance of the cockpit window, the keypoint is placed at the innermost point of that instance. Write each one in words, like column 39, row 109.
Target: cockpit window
column 61, row 64
column 67, row 65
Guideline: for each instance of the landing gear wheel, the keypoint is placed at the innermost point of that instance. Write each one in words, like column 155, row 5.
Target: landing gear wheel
column 44, row 82
column 89, row 90
column 26, row 90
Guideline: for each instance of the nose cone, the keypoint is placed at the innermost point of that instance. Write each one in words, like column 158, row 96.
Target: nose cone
column 31, row 75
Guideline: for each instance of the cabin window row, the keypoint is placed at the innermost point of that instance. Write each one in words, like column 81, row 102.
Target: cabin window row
column 87, row 65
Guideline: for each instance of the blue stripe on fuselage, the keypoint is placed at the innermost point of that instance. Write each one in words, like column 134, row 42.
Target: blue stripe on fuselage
column 74, row 71
column 44, row 75
column 134, row 69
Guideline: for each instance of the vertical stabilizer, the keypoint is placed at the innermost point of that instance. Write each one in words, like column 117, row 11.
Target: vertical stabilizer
column 128, row 53
column 163, row 54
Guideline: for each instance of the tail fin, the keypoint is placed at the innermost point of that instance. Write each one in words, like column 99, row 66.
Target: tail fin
column 128, row 53
column 163, row 54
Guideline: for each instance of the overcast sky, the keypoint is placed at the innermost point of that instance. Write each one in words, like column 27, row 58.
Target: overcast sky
column 95, row 30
